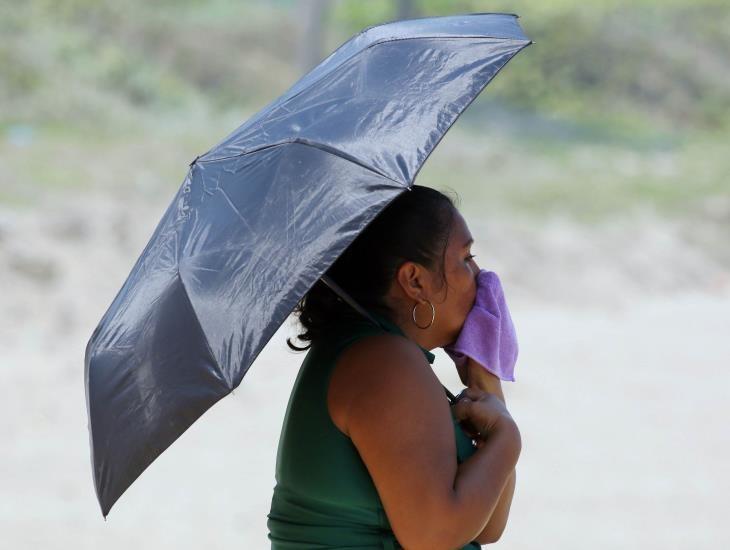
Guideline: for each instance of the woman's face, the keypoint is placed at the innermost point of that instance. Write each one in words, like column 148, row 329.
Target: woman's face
column 454, row 301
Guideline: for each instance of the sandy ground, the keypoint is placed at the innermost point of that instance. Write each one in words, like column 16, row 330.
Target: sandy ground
column 621, row 392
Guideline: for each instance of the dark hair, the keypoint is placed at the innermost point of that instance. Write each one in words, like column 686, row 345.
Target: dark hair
column 415, row 227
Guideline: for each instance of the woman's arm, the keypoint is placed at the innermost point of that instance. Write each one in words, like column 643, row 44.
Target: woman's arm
column 500, row 508
column 477, row 376
column 403, row 429
column 498, row 521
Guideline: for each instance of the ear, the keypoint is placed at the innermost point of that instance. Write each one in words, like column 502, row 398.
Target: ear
column 414, row 280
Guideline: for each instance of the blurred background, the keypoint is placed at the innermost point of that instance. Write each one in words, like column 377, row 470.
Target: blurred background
column 593, row 172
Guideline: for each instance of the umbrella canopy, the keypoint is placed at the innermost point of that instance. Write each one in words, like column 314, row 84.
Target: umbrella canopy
column 262, row 215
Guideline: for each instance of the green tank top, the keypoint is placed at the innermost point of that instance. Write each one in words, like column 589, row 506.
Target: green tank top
column 324, row 496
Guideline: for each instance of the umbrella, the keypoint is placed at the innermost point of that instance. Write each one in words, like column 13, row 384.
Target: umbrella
column 262, row 215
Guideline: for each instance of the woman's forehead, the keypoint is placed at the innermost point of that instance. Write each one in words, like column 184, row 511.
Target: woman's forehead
column 461, row 237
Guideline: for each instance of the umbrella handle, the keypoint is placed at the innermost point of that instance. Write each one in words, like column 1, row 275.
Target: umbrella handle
column 345, row 296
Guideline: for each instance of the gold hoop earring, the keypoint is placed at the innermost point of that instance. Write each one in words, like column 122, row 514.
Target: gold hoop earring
column 433, row 315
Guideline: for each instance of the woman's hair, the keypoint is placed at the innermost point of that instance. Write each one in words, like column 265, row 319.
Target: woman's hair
column 414, row 227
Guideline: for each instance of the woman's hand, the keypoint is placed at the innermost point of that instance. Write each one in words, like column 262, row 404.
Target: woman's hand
column 480, row 413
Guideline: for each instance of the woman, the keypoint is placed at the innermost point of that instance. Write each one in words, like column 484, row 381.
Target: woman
column 371, row 454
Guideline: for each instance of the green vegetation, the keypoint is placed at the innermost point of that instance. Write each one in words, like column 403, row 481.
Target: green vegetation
column 617, row 104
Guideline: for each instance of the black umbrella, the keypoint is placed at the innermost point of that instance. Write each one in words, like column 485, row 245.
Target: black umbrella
column 262, row 215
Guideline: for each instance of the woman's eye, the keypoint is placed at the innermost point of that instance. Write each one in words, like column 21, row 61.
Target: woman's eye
column 470, row 256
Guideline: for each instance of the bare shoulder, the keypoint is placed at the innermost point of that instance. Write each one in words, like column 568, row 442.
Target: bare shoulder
column 377, row 365
column 385, row 397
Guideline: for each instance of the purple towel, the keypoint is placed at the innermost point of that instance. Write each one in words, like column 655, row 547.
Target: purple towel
column 488, row 335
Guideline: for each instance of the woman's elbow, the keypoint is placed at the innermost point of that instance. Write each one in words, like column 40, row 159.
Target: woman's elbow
column 440, row 530
column 427, row 539
column 489, row 538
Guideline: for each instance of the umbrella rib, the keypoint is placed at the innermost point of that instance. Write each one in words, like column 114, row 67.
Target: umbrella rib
column 202, row 332
column 309, row 143
column 525, row 43
column 385, row 41
column 284, row 99
column 390, row 22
